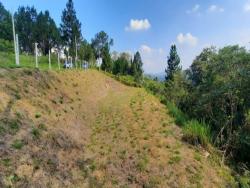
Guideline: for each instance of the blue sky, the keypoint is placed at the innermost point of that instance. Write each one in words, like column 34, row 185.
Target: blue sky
column 151, row 26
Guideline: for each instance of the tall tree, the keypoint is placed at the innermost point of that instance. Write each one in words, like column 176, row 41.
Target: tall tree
column 136, row 67
column 106, row 60
column 25, row 25
column 101, row 43
column 46, row 32
column 198, row 69
column 121, row 64
column 173, row 63
column 70, row 28
column 86, row 52
column 5, row 24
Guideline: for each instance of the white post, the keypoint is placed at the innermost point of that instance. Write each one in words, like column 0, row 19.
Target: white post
column 71, row 62
column 76, row 53
column 76, row 48
column 17, row 50
column 58, row 60
column 36, row 54
column 14, row 38
column 49, row 61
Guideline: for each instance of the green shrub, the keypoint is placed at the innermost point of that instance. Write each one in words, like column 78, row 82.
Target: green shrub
column 6, row 46
column 37, row 115
column 197, row 133
column 180, row 117
column 154, row 87
column 128, row 80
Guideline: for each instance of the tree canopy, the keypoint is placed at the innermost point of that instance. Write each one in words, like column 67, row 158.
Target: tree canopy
column 26, row 18
column 70, row 28
column 101, row 43
column 5, row 24
column 136, row 67
column 46, row 32
column 173, row 63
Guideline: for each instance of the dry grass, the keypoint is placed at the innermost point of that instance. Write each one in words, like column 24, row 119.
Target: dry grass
column 84, row 129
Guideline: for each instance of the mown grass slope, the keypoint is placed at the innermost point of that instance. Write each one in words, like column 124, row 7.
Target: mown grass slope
column 84, row 129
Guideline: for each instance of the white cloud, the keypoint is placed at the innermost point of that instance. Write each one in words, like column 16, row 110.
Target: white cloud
column 145, row 48
column 215, row 8
column 195, row 9
column 136, row 25
column 246, row 7
column 187, row 39
column 154, row 59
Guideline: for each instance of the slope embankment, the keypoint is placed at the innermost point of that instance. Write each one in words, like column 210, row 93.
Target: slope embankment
column 84, row 129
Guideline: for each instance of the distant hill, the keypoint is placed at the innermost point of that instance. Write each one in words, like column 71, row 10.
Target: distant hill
column 159, row 76
column 84, row 129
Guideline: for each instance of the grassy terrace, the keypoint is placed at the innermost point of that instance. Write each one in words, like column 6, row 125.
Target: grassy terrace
column 7, row 60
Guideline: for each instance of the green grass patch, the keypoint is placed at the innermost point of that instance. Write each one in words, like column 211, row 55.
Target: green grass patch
column 174, row 159
column 17, row 144
column 14, row 178
column 142, row 164
column 42, row 127
column 197, row 133
column 35, row 133
column 244, row 181
column 197, row 156
column 125, row 79
column 7, row 60
column 177, row 114
column 9, row 126
column 6, row 162
column 38, row 115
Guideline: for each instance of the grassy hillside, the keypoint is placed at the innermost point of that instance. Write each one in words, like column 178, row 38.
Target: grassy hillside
column 84, row 129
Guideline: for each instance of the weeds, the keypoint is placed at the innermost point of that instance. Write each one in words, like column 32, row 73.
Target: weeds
column 180, row 117
column 197, row 133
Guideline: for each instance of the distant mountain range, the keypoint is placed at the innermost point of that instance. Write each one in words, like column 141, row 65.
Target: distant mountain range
column 160, row 76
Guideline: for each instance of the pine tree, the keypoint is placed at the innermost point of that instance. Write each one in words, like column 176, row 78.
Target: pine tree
column 173, row 64
column 106, row 60
column 70, row 27
column 136, row 67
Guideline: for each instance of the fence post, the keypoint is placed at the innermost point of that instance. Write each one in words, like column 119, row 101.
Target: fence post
column 36, row 54
column 17, row 51
column 58, row 60
column 49, row 61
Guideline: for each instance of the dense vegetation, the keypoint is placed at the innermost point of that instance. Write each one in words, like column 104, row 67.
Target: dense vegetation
column 210, row 100
column 215, row 91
